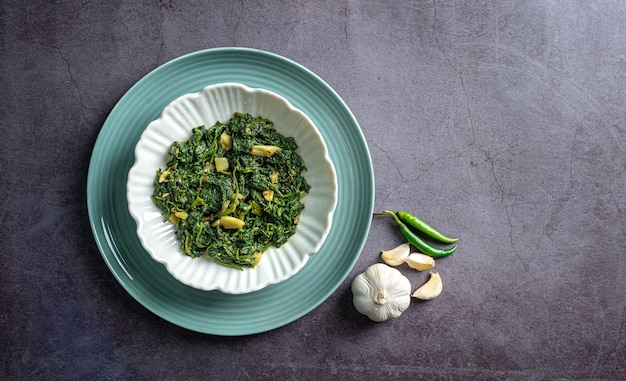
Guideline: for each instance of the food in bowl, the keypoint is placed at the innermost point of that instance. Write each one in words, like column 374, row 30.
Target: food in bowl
column 219, row 102
column 233, row 190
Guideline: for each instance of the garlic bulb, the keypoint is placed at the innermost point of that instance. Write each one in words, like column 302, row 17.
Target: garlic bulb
column 381, row 292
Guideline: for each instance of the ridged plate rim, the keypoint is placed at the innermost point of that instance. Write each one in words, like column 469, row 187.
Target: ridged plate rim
column 213, row 312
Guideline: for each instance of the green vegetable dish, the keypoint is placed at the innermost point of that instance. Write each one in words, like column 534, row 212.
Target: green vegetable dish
column 233, row 190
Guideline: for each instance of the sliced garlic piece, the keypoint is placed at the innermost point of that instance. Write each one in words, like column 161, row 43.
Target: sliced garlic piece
column 397, row 255
column 431, row 289
column 264, row 151
column 225, row 205
column 420, row 262
column 181, row 215
column 228, row 222
column 226, row 141
column 274, row 177
column 221, row 164
column 163, row 177
column 257, row 258
column 268, row 195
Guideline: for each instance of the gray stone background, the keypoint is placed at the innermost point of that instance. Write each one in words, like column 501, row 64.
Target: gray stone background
column 501, row 122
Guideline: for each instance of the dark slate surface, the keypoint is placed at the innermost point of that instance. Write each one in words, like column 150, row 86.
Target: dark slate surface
column 502, row 122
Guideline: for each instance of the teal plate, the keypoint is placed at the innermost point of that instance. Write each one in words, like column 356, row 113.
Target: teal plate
column 148, row 281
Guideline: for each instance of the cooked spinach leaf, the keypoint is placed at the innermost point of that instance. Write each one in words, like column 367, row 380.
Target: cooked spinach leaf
column 232, row 190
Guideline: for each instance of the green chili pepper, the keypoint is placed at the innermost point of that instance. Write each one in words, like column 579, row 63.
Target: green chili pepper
column 416, row 241
column 422, row 226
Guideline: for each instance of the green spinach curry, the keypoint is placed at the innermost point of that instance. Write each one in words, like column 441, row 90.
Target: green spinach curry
column 232, row 190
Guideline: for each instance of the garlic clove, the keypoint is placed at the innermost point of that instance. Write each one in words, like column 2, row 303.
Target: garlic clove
column 431, row 289
column 420, row 262
column 397, row 255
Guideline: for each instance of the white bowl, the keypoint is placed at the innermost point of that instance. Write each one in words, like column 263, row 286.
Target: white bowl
column 218, row 103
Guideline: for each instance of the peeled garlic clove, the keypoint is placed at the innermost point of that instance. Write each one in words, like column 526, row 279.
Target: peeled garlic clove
column 420, row 261
column 397, row 255
column 431, row 289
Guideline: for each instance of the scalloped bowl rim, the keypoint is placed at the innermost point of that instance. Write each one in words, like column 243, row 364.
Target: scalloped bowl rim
column 139, row 211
